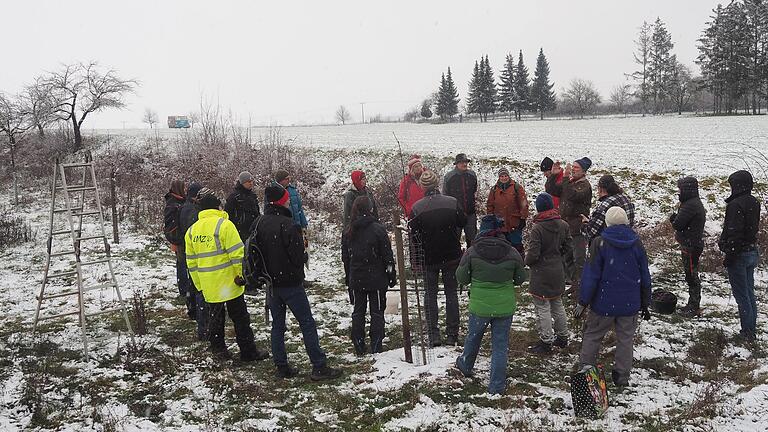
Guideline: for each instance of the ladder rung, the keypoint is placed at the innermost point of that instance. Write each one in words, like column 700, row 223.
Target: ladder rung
column 64, row 232
column 101, row 312
column 57, row 295
column 77, row 164
column 59, row 315
column 90, row 237
column 63, row 274
column 66, row 210
column 100, row 286
column 80, row 188
column 57, row 254
column 94, row 262
column 86, row 213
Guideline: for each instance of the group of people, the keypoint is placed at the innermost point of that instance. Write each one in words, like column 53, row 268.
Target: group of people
column 570, row 241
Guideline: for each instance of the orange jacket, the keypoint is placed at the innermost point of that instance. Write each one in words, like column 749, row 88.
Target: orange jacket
column 509, row 203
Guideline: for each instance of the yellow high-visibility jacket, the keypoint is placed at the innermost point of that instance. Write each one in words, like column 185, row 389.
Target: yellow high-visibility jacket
column 215, row 256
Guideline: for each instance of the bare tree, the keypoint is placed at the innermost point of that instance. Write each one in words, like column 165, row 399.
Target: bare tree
column 150, row 117
column 342, row 115
column 682, row 86
column 81, row 89
column 14, row 122
column 581, row 97
column 39, row 103
column 620, row 97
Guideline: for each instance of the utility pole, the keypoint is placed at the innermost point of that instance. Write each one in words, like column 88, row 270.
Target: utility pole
column 362, row 111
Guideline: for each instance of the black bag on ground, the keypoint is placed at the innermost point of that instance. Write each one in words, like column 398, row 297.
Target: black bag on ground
column 663, row 302
column 254, row 267
column 588, row 392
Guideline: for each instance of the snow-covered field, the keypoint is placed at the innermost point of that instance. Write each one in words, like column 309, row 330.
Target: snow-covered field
column 689, row 375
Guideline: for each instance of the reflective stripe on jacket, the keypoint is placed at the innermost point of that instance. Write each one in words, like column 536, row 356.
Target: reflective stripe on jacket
column 215, row 256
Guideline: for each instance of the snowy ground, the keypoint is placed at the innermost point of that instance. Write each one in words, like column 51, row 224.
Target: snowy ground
column 689, row 375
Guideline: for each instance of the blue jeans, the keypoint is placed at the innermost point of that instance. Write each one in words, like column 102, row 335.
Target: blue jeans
column 499, row 348
column 741, row 274
column 295, row 299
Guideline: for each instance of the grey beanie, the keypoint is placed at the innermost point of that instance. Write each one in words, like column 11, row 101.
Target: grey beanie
column 244, row 176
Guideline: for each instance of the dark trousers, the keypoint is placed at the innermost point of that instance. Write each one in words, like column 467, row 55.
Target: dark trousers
column 450, row 284
column 377, row 301
column 576, row 262
column 690, row 261
column 184, row 282
column 295, row 299
column 201, row 315
column 470, row 229
column 238, row 313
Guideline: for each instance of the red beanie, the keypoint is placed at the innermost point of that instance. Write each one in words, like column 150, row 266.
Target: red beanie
column 357, row 178
column 284, row 199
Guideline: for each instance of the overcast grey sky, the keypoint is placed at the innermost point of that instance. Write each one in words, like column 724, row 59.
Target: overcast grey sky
column 285, row 62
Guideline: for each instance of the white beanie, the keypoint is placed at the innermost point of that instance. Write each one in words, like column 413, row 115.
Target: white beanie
column 616, row 216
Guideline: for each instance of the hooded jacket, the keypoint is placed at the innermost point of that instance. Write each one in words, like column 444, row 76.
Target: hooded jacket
column 492, row 268
column 282, row 245
column 575, row 200
column 366, row 254
column 409, row 193
column 691, row 217
column 508, row 201
column 742, row 216
column 214, row 254
column 243, row 208
column 549, row 240
column 435, row 225
column 616, row 280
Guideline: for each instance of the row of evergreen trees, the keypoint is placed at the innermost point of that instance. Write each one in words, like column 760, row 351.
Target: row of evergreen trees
column 514, row 94
column 734, row 56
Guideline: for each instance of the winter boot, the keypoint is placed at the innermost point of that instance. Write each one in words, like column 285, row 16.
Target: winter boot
column 360, row 348
column 254, row 354
column 561, row 342
column 619, row 380
column 376, row 346
column 540, row 348
column 451, row 340
column 689, row 311
column 324, row 373
column 286, row 371
column 220, row 353
column 435, row 342
column 462, row 369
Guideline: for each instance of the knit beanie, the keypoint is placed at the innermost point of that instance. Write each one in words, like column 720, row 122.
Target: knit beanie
column 276, row 194
column 280, row 175
column 415, row 159
column 428, row 180
column 503, row 171
column 208, row 200
column 584, row 163
column 616, row 216
column 244, row 176
column 546, row 164
column 193, row 189
column 490, row 223
column 357, row 178
column 544, row 202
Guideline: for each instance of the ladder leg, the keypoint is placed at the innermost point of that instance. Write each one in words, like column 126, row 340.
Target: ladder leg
column 49, row 244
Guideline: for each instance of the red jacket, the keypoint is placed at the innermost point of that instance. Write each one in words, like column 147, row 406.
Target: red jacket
column 409, row 193
column 556, row 198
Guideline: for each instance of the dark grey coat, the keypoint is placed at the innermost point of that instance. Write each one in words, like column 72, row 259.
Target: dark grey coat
column 548, row 241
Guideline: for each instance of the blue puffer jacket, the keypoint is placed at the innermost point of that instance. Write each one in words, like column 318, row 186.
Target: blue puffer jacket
column 297, row 209
column 616, row 280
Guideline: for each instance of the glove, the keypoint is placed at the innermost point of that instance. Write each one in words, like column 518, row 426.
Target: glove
column 672, row 217
column 646, row 314
column 579, row 311
column 239, row 281
column 392, row 275
column 521, row 225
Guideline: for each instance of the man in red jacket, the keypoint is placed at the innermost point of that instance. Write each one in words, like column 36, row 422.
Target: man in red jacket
column 546, row 169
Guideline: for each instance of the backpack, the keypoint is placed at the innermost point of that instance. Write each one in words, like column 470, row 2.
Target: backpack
column 254, row 266
column 171, row 226
column 588, row 393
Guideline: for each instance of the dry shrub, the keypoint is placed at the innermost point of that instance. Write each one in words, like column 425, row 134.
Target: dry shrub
column 14, row 230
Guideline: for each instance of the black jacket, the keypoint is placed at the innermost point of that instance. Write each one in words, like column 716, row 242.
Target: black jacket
column 171, row 227
column 349, row 198
column 242, row 206
column 691, row 217
column 742, row 215
column 366, row 254
column 436, row 222
column 282, row 245
column 188, row 216
column 463, row 187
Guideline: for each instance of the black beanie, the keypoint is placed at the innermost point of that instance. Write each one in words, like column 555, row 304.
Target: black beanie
column 546, row 164
column 274, row 193
column 208, row 201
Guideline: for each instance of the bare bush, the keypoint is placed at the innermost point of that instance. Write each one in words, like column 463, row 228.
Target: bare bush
column 139, row 313
column 14, row 230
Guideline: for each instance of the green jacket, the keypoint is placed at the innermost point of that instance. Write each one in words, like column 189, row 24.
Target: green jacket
column 492, row 267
